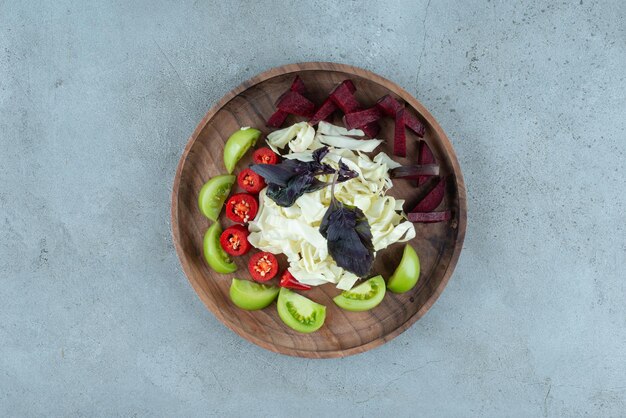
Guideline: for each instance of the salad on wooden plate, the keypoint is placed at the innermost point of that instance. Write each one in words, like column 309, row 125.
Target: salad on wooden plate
column 316, row 194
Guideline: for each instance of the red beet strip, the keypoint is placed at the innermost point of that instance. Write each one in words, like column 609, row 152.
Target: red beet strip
column 371, row 129
column 424, row 156
column 350, row 85
column 296, row 104
column 414, row 171
column 329, row 107
column 389, row 106
column 362, row 117
column 399, row 134
column 429, row 217
column 279, row 117
column 343, row 96
column 325, row 110
column 298, row 85
column 433, row 198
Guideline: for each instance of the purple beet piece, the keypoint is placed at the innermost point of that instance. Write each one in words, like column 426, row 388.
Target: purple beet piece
column 371, row 129
column 296, row 104
column 414, row 171
column 424, row 156
column 399, row 135
column 277, row 119
column 325, row 110
column 433, row 198
column 298, row 85
column 389, row 106
column 429, row 217
column 362, row 117
column 343, row 96
column 350, row 85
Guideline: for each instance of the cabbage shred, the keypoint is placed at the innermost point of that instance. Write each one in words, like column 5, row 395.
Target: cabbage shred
column 294, row 231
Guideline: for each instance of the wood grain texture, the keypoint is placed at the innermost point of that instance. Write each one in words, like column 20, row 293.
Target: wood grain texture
column 344, row 333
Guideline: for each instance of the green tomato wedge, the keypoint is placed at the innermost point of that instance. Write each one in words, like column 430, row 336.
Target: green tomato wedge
column 364, row 297
column 213, row 194
column 406, row 274
column 237, row 145
column 214, row 255
column 299, row 313
column 252, row 296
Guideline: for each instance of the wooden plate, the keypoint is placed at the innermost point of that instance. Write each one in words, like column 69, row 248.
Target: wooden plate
column 344, row 333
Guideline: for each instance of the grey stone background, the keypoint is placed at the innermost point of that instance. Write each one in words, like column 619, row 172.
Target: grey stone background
column 97, row 100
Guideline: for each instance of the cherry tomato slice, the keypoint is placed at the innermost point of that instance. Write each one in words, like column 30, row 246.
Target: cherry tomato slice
column 241, row 208
column 250, row 181
column 263, row 266
column 287, row 280
column 234, row 240
column 264, row 155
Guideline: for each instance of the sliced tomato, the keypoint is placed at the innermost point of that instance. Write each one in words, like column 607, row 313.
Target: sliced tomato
column 263, row 266
column 287, row 280
column 250, row 181
column 264, row 155
column 241, row 208
column 234, row 240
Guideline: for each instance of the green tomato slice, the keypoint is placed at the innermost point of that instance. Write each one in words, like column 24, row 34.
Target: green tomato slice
column 214, row 255
column 213, row 194
column 237, row 145
column 252, row 296
column 364, row 297
column 406, row 274
column 299, row 313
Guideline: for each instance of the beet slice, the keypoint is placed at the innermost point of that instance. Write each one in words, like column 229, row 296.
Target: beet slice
column 344, row 98
column 296, row 104
column 433, row 198
column 429, row 217
column 424, row 156
column 371, row 129
column 414, row 171
column 298, row 85
column 279, row 117
column 325, row 110
column 399, row 134
column 389, row 106
column 362, row 117
column 350, row 85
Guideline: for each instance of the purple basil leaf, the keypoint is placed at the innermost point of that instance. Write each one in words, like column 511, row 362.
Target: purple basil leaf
column 348, row 236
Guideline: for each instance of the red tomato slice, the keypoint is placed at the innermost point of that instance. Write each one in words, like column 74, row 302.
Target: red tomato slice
column 241, row 208
column 263, row 266
column 287, row 280
column 234, row 240
column 264, row 155
column 250, row 181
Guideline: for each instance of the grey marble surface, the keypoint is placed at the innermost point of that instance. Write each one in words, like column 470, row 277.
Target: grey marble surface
column 97, row 100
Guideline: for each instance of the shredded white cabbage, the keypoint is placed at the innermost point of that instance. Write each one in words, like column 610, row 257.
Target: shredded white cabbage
column 294, row 231
column 326, row 128
column 299, row 137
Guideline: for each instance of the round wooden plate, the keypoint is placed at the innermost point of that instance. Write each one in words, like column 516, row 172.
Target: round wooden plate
column 344, row 333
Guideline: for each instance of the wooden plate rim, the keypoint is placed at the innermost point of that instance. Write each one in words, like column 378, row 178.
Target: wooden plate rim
column 399, row 91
